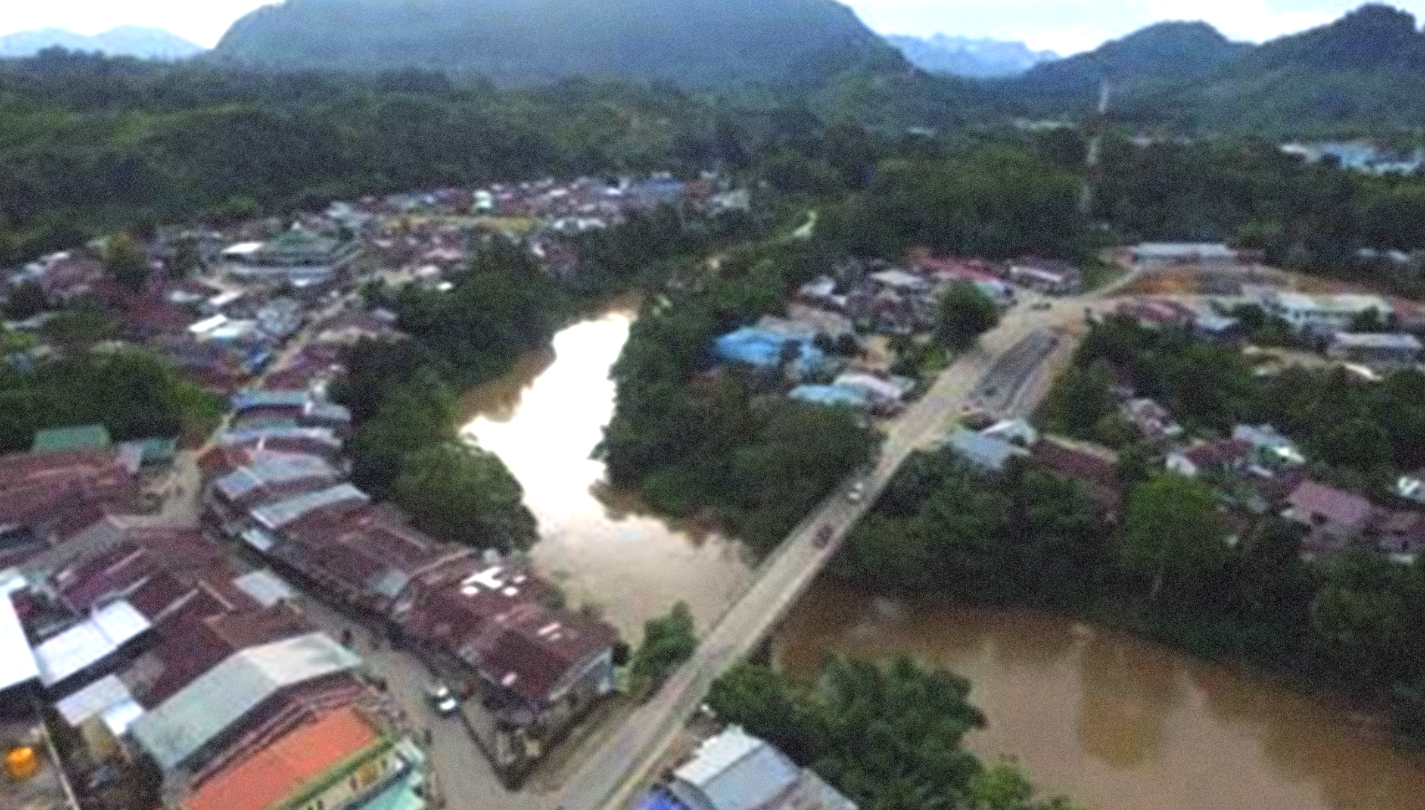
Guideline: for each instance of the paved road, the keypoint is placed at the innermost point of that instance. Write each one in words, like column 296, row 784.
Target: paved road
column 1015, row 351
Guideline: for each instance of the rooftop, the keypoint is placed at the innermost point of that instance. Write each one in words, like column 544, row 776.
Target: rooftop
column 491, row 619
column 17, row 663
column 736, row 771
column 1397, row 341
column 89, row 642
column 1312, row 501
column 181, row 726
column 290, row 767
column 282, row 513
column 82, row 437
column 269, row 468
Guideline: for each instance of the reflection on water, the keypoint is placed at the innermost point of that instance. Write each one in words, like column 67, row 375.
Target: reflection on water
column 1119, row 723
column 544, row 419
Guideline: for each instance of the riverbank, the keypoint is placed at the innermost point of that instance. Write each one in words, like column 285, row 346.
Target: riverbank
column 1116, row 721
column 602, row 545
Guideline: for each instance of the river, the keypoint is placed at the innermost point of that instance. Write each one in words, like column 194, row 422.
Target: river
column 544, row 419
column 1119, row 723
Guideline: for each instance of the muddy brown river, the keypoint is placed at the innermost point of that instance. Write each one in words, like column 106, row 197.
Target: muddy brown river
column 1119, row 723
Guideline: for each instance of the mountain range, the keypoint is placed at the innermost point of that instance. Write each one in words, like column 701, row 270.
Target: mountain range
column 126, row 40
column 975, row 57
column 1366, row 70
column 690, row 42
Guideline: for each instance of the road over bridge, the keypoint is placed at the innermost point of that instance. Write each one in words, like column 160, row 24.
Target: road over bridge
column 1002, row 372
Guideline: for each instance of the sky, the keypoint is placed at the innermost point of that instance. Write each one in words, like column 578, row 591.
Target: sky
column 1066, row 26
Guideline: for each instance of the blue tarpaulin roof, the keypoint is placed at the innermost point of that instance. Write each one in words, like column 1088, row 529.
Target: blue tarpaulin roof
column 756, row 347
column 831, row 395
column 659, row 799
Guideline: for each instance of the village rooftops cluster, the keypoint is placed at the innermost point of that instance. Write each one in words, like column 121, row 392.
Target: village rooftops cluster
column 153, row 642
column 261, row 282
column 819, row 352
column 280, row 489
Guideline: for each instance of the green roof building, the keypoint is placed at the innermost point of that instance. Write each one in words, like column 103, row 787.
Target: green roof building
column 82, row 437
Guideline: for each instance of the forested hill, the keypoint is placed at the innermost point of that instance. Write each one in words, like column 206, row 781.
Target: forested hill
column 1171, row 50
column 1363, row 72
column 514, row 42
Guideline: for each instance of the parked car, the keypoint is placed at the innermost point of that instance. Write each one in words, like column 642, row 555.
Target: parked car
column 823, row 537
column 442, row 699
column 857, row 493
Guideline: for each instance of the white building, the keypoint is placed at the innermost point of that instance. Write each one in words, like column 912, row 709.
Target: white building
column 1324, row 312
column 1157, row 255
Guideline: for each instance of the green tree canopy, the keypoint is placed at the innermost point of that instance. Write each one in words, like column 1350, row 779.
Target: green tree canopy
column 667, row 642
column 965, row 313
column 1171, row 532
column 127, row 261
column 889, row 737
column 463, row 494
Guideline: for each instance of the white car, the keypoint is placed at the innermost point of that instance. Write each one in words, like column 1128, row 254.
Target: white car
column 857, row 493
column 442, row 699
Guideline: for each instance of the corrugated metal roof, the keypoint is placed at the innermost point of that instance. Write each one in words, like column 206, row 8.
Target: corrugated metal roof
column 105, row 695
column 266, row 587
column 276, row 515
column 1399, row 341
column 89, row 642
column 17, row 663
column 208, row 706
column 247, row 435
column 270, row 468
column 247, row 400
column 736, row 771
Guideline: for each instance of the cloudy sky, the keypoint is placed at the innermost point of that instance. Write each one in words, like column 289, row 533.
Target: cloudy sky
column 1062, row 25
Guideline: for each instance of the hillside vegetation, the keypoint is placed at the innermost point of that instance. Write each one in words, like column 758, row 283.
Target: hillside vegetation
column 690, row 42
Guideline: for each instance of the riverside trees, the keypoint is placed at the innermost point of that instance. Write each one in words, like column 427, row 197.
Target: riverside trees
column 888, row 737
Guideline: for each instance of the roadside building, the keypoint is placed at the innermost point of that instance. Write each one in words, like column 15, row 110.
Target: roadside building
column 1158, row 314
column 1219, row 329
column 769, row 351
column 833, row 395
column 1378, row 350
column 46, row 499
column 263, row 477
column 1401, row 534
column 533, row 670
column 737, row 771
column 19, row 672
column 986, row 453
